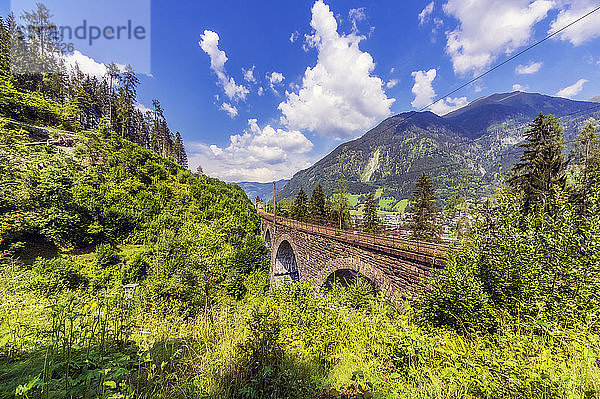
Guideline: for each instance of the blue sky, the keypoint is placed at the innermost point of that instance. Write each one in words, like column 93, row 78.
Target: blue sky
column 325, row 72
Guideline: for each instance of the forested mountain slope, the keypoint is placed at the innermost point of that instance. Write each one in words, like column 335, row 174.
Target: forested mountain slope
column 63, row 96
column 478, row 141
column 262, row 190
column 110, row 191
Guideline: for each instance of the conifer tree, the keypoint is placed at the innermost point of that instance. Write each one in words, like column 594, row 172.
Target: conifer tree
column 126, row 100
column 43, row 40
column 300, row 206
column 113, row 74
column 370, row 219
column 424, row 222
column 4, row 50
column 317, row 204
column 587, row 156
column 542, row 165
column 180, row 155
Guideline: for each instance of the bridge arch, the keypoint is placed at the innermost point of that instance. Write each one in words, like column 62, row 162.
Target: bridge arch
column 312, row 253
column 346, row 265
column 286, row 265
column 347, row 278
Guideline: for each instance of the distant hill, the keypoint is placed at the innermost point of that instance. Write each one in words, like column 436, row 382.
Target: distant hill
column 478, row 116
column 595, row 99
column 479, row 140
column 263, row 190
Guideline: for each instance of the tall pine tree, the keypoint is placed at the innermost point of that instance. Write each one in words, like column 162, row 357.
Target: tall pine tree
column 180, row 155
column 542, row 165
column 300, row 206
column 4, row 50
column 126, row 98
column 587, row 156
column 317, row 205
column 370, row 219
column 424, row 221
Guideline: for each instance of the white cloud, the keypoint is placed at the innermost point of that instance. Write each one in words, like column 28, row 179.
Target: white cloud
column 584, row 30
column 355, row 15
column 257, row 154
column 216, row 151
column 294, row 36
column 141, row 107
column 260, row 91
column 391, row 83
column 230, row 109
column 86, row 64
column 573, row 90
column 249, row 74
column 210, row 44
column 518, row 87
column 490, row 28
column 424, row 15
column 425, row 94
column 275, row 78
column 338, row 97
column 528, row 69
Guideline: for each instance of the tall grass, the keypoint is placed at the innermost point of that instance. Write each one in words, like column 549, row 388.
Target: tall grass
column 289, row 343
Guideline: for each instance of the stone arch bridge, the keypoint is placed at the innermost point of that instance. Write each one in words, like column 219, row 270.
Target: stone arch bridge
column 317, row 254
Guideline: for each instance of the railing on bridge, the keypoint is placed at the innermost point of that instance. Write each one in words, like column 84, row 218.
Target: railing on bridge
column 380, row 240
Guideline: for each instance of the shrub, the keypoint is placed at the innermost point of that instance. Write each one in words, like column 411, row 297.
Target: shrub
column 456, row 298
column 543, row 266
column 135, row 269
column 260, row 367
column 56, row 274
column 234, row 285
column 106, row 256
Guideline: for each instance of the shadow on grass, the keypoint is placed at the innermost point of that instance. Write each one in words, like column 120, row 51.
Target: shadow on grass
column 19, row 371
column 36, row 246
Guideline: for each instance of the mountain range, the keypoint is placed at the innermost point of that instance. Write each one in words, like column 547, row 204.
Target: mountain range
column 472, row 144
column 262, row 190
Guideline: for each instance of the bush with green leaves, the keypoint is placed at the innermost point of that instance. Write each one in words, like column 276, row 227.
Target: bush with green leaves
column 543, row 265
column 260, row 368
column 53, row 275
column 135, row 269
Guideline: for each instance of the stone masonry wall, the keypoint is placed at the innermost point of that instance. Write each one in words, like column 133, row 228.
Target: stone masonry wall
column 318, row 256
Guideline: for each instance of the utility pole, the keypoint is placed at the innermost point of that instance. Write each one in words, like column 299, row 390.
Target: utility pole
column 274, row 203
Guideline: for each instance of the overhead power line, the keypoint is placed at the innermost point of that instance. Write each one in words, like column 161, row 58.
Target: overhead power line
column 498, row 66
column 511, row 58
column 491, row 70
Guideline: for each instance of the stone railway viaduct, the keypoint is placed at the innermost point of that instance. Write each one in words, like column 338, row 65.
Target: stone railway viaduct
column 319, row 254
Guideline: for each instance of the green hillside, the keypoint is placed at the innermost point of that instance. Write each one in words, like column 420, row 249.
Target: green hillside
column 474, row 143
